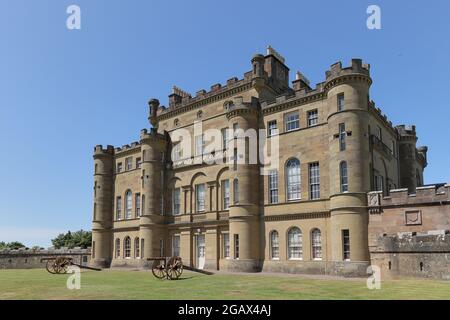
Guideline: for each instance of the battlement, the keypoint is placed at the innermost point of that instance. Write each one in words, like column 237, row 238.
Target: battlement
column 127, row 147
column 436, row 193
column 381, row 116
column 99, row 150
column 356, row 67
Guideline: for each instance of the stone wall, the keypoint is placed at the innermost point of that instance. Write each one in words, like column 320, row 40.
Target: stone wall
column 28, row 259
column 409, row 233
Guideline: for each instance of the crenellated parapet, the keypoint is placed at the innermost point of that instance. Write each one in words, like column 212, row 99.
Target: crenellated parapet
column 99, row 151
column 241, row 108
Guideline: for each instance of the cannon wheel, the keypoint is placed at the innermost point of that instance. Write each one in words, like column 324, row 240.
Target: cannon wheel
column 61, row 265
column 50, row 266
column 175, row 268
column 159, row 269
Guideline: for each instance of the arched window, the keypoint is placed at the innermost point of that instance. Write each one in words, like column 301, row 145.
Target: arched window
column 295, row 247
column 344, row 176
column 117, row 248
column 127, row 247
column 136, row 248
column 274, row 245
column 293, row 180
column 128, row 204
column 316, row 240
column 142, row 248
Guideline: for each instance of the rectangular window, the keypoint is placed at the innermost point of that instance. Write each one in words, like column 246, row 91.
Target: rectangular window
column 225, row 138
column 273, row 186
column 142, row 248
column 161, row 248
column 119, row 208
column 292, row 121
column 119, row 167
column 340, row 102
column 343, row 176
column 176, row 246
column 138, row 163
column 176, row 201
column 393, row 148
column 226, row 245
column 346, row 244
column 128, row 163
column 236, row 191
column 177, row 153
column 235, row 129
column 200, row 195
column 138, row 204
column 314, row 181
column 379, row 134
column 272, row 128
column 313, row 118
column 199, row 145
column 236, row 246
column 342, row 135
column 226, row 194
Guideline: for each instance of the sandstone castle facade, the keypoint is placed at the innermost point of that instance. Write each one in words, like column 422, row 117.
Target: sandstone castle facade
column 310, row 214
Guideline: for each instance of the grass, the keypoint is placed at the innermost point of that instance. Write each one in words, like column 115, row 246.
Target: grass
column 110, row 284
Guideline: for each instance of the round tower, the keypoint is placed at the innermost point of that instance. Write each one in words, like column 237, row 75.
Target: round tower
column 347, row 101
column 153, row 147
column 103, row 211
column 244, row 219
column 407, row 156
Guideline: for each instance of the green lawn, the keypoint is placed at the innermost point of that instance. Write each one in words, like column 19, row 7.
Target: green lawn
column 38, row 284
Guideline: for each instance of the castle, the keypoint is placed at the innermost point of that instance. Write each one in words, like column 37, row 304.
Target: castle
column 309, row 214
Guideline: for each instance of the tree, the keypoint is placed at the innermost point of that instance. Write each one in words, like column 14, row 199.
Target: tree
column 11, row 245
column 79, row 238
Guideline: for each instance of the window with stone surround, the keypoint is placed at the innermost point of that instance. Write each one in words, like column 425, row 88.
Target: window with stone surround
column 316, row 240
column 340, row 102
column 176, row 245
column 292, row 121
column 119, row 167
column 295, row 244
column 346, row 244
column 313, row 118
column 117, row 248
column 119, row 208
column 314, row 181
column 127, row 247
column 128, row 204
column 226, row 245
column 200, row 197
column 226, row 194
column 138, row 163
column 293, row 180
column 273, row 186
column 272, row 128
column 343, row 176
column 274, row 245
column 342, row 136
column 138, row 204
column 176, row 201
column 137, row 254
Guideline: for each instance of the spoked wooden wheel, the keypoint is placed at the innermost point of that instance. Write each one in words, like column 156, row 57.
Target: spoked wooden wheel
column 175, row 268
column 50, row 266
column 61, row 265
column 159, row 269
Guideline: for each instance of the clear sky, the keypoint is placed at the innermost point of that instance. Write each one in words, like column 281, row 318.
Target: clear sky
column 63, row 91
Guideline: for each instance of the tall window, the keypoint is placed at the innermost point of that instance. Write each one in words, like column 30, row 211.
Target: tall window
column 274, row 245
column 128, row 164
column 128, row 204
column 199, row 145
column 177, row 152
column 340, row 102
column 93, row 249
column 138, row 163
column 344, row 176
column 378, row 179
column 119, row 208
column 137, row 202
column 379, row 134
column 117, row 248
column 293, row 182
column 235, row 129
column 342, row 135
column 295, row 246
column 142, row 248
column 236, row 246
column 119, row 167
column 292, row 121
column 176, row 246
column 313, row 118
column 200, row 194
column 236, row 191
column 176, row 201
column 137, row 254
column 346, row 244
column 143, row 204
column 226, row 245
column 225, row 138
column 273, row 186
column 272, row 128
column 226, row 194
column 127, row 247
column 316, row 237
column 96, row 168
column 393, row 148
column 314, row 180
column 161, row 247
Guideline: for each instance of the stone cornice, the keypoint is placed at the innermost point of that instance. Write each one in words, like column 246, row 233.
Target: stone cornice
column 293, row 103
column 297, row 216
column 347, row 78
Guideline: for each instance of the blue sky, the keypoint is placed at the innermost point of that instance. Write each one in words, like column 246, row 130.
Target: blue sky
column 63, row 91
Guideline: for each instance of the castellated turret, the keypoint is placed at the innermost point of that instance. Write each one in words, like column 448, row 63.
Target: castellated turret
column 347, row 91
column 153, row 149
column 103, row 200
column 244, row 219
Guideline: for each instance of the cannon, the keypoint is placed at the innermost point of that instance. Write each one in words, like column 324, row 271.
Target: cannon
column 167, row 267
column 60, row 265
column 171, row 267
